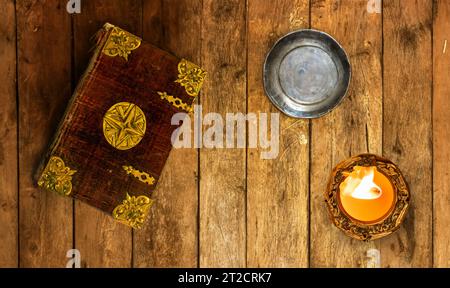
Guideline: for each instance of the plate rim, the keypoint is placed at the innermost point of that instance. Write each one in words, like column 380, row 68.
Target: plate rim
column 314, row 114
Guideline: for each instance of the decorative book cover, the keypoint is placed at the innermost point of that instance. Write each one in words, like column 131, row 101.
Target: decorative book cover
column 115, row 137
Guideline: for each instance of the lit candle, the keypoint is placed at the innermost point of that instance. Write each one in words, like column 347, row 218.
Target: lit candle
column 366, row 195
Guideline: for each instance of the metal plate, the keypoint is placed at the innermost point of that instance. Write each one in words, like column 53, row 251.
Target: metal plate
column 306, row 74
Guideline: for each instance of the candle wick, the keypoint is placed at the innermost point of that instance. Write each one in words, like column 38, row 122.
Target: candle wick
column 375, row 190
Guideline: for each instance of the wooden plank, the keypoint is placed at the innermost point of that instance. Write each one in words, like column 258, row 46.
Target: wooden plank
column 277, row 189
column 223, row 171
column 102, row 241
column 407, row 138
column 354, row 127
column 153, row 21
column 8, row 133
column 170, row 239
column 44, row 74
column 441, row 132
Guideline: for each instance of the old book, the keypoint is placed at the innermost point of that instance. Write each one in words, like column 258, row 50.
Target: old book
column 115, row 136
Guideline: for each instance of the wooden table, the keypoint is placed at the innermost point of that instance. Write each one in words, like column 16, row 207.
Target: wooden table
column 229, row 207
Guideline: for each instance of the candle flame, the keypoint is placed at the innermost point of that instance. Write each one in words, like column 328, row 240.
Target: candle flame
column 360, row 185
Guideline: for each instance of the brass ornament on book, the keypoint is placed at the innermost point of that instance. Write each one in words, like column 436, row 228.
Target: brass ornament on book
column 120, row 43
column 57, row 177
column 133, row 210
column 124, row 125
column 175, row 101
column 191, row 77
column 141, row 176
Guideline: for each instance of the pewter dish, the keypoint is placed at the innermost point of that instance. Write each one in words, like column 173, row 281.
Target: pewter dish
column 306, row 74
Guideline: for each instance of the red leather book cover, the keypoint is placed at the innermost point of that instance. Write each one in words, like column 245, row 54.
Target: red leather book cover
column 115, row 136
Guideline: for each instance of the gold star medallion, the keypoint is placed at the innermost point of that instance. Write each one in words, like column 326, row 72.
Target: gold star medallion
column 124, row 125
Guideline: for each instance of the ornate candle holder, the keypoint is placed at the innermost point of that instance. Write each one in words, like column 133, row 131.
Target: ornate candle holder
column 371, row 213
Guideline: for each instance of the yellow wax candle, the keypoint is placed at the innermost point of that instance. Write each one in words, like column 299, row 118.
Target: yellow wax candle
column 366, row 195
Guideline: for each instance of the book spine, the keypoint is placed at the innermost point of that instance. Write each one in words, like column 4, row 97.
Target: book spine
column 100, row 39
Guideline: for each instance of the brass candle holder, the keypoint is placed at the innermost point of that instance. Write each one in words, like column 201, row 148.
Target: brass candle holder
column 367, row 197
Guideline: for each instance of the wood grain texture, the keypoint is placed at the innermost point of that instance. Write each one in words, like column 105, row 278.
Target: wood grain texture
column 407, row 136
column 354, row 127
column 44, row 82
column 153, row 21
column 102, row 241
column 278, row 189
column 441, row 132
column 242, row 211
column 8, row 133
column 170, row 238
column 223, row 171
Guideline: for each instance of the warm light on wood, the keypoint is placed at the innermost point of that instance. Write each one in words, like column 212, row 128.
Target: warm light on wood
column 366, row 195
